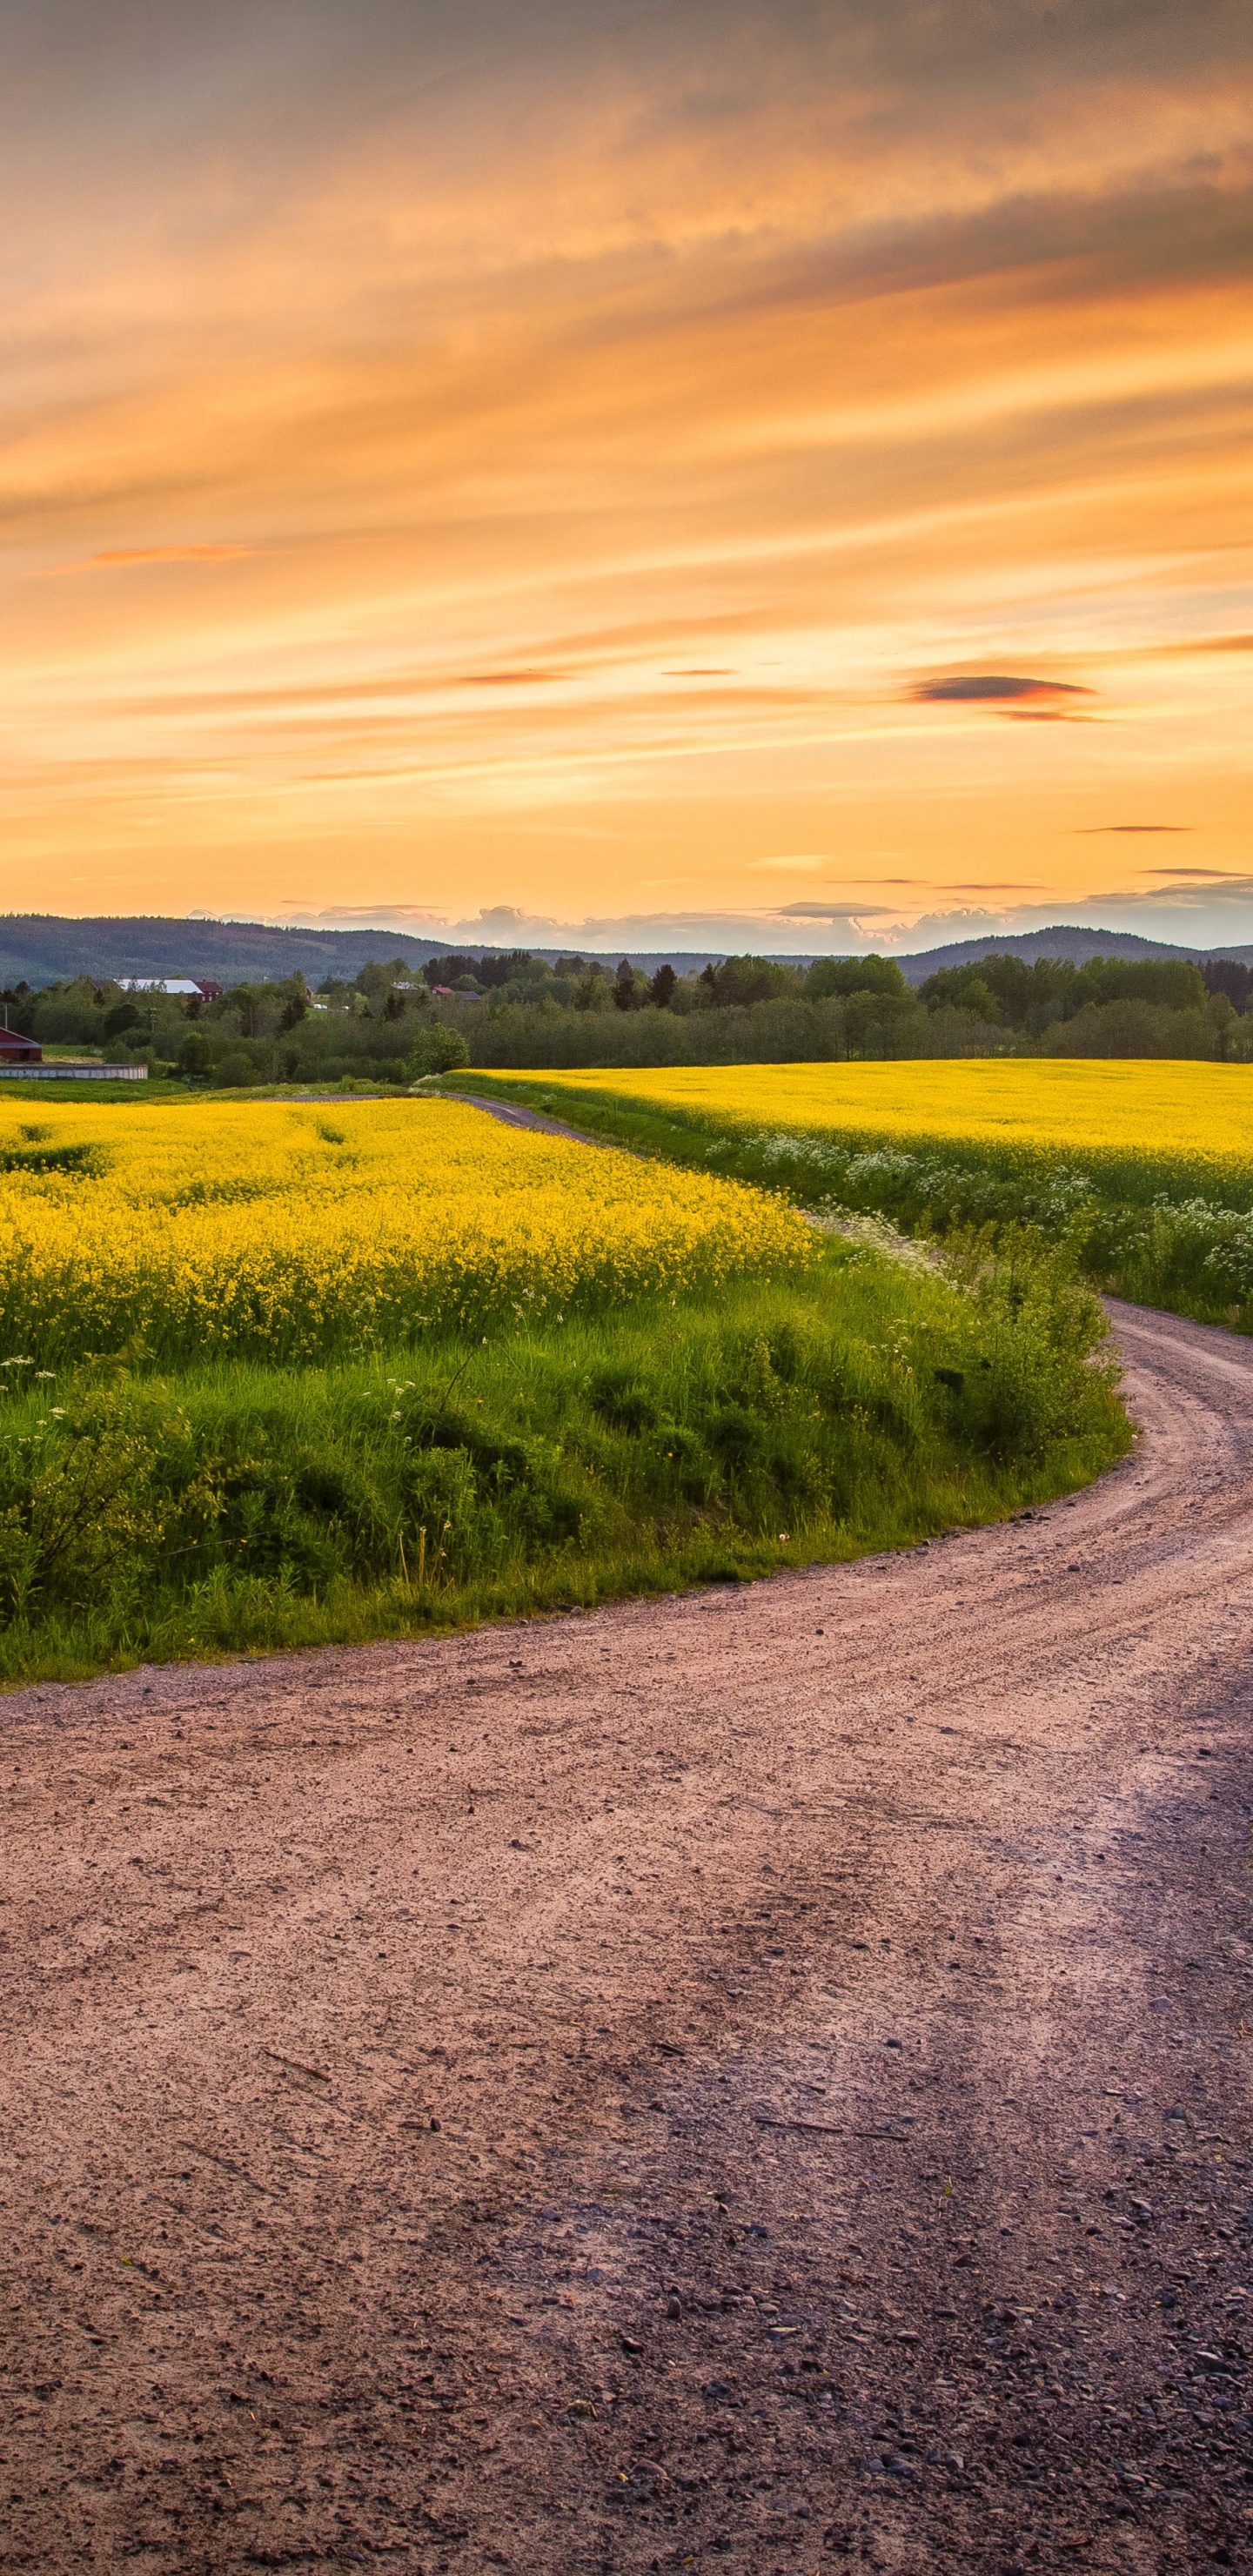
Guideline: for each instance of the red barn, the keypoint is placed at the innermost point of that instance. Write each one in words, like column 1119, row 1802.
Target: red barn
column 15, row 1049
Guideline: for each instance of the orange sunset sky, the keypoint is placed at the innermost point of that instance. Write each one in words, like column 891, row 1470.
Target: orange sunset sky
column 776, row 471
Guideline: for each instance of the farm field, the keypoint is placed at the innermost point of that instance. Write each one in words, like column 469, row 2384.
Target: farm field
column 276, row 1377
column 1171, row 1118
column 1144, row 1168
column 285, row 1233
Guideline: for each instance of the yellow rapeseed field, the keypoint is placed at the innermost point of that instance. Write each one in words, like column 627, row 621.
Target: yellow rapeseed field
column 1198, row 1116
column 299, row 1233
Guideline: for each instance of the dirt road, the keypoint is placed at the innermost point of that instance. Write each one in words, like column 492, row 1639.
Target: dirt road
column 758, row 2082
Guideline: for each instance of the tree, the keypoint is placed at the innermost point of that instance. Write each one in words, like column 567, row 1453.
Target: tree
column 195, row 1056
column 1220, row 1014
column 595, row 992
column 834, row 978
column 1173, row 982
column 252, row 1004
column 1227, row 975
column 123, row 1016
column 439, row 1050
column 739, row 981
column 376, row 981
column 235, row 1069
column 661, row 989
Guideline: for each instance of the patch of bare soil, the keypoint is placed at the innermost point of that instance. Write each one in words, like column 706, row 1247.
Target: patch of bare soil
column 757, row 2083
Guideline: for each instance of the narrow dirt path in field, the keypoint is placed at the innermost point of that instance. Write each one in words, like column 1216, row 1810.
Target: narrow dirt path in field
column 755, row 2082
column 512, row 1114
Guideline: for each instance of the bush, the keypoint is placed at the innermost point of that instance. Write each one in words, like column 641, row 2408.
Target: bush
column 440, row 1049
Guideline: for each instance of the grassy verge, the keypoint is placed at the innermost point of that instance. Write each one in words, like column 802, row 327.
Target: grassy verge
column 34, row 1098
column 243, row 1508
column 1136, row 1224
column 39, row 1096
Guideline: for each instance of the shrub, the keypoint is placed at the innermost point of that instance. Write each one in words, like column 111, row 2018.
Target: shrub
column 440, row 1049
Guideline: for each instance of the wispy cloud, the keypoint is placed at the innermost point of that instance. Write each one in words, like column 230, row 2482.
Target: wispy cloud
column 790, row 866
column 834, row 913
column 1208, row 644
column 117, row 558
column 1193, row 891
column 504, row 679
column 1040, row 701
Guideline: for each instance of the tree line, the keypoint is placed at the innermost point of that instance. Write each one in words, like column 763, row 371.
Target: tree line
column 398, row 1023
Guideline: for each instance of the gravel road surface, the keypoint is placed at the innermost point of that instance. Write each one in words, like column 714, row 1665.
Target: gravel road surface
column 756, row 2082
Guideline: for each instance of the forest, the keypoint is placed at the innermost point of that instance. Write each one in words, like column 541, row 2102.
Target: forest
column 398, row 1023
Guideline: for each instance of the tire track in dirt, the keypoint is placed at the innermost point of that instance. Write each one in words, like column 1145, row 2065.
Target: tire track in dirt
column 752, row 2081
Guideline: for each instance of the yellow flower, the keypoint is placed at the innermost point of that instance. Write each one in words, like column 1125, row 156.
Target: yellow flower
column 1190, row 1118
column 238, row 1228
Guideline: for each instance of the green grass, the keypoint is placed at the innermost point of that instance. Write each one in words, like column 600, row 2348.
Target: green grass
column 241, row 1508
column 45, row 1095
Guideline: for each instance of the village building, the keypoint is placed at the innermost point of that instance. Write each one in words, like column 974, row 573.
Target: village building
column 186, row 987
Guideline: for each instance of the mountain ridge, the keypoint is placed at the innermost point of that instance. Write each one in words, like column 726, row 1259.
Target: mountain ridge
column 1072, row 940
column 49, row 948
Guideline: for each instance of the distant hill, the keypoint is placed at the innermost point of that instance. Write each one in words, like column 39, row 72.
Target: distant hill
column 1066, row 939
column 44, row 948
column 48, row 948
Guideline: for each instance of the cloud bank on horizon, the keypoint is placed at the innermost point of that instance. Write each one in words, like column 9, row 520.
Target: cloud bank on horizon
column 571, row 459
column 1194, row 913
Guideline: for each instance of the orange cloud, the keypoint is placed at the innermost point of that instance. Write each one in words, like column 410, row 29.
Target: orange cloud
column 988, row 688
column 111, row 557
column 504, row 679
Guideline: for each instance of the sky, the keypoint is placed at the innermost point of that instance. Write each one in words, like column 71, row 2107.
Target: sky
column 707, row 472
